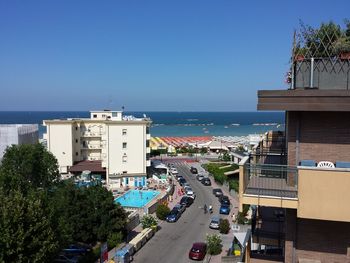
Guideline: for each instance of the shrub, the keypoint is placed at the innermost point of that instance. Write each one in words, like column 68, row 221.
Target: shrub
column 148, row 221
column 162, row 211
column 214, row 244
column 234, row 185
column 114, row 239
column 224, row 226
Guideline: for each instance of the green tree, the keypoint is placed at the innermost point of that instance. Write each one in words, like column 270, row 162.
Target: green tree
column 224, row 226
column 26, row 166
column 26, row 230
column 162, row 211
column 214, row 244
column 148, row 221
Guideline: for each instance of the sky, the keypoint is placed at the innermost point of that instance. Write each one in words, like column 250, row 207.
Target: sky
column 148, row 55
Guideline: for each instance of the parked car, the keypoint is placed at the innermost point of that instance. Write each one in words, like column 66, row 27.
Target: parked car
column 180, row 207
column 190, row 193
column 173, row 216
column 206, row 181
column 198, row 251
column 194, row 170
column 178, row 177
column 214, row 222
column 224, row 200
column 217, row 192
column 200, row 177
column 187, row 201
column 182, row 181
column 225, row 209
column 173, row 170
column 186, row 185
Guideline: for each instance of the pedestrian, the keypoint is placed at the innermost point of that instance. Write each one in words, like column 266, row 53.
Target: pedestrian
column 205, row 208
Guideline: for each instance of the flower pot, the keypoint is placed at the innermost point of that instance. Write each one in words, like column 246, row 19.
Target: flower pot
column 345, row 55
column 299, row 57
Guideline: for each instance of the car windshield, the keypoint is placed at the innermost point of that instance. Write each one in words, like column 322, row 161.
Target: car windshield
column 195, row 250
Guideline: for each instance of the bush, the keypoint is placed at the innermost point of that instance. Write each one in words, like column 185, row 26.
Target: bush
column 224, row 226
column 214, row 244
column 148, row 221
column 162, row 211
column 114, row 239
column 234, row 185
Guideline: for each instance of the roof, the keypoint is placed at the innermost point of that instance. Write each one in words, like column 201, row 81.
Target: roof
column 93, row 166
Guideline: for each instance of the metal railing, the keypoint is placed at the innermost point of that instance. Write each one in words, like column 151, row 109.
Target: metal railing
column 270, row 180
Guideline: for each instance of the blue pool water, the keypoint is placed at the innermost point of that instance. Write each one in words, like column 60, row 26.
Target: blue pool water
column 136, row 198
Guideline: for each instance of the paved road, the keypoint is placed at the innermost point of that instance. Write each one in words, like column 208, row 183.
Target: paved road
column 172, row 243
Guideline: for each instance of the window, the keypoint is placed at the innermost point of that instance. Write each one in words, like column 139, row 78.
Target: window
column 76, row 140
column 125, row 172
column 125, row 159
column 124, row 131
column 124, row 145
column 76, row 153
column 114, row 114
column 76, row 128
column 94, row 116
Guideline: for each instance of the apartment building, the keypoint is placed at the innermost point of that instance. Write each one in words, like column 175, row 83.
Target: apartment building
column 14, row 134
column 108, row 143
column 298, row 180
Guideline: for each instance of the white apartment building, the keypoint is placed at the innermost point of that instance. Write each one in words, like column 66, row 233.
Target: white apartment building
column 15, row 134
column 107, row 143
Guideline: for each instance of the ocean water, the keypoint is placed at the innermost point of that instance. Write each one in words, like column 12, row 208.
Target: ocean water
column 172, row 123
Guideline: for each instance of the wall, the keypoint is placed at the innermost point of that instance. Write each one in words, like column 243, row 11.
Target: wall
column 60, row 143
column 323, row 193
column 135, row 151
column 324, row 136
column 326, row 241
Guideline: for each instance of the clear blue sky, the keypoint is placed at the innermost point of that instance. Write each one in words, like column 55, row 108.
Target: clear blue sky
column 179, row 55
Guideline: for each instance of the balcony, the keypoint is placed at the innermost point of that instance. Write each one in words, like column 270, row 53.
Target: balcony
column 92, row 146
column 268, row 185
column 91, row 134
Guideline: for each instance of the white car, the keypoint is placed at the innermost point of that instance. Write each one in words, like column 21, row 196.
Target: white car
column 191, row 194
column 173, row 170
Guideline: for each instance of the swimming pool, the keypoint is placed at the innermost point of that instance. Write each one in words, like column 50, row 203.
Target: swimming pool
column 136, row 198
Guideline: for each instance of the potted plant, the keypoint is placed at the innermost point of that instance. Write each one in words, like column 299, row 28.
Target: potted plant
column 342, row 47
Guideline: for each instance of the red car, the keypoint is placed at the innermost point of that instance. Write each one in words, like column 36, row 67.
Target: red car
column 198, row 251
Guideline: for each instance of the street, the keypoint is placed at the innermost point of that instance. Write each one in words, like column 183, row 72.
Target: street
column 174, row 240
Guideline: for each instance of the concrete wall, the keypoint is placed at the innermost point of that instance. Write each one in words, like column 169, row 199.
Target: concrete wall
column 324, row 136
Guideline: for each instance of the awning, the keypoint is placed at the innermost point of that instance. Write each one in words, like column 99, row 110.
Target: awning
column 92, row 166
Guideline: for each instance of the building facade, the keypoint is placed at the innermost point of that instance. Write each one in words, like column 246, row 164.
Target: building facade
column 15, row 134
column 298, row 180
column 107, row 143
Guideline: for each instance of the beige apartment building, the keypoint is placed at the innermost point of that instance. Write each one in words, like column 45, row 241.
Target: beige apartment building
column 107, row 143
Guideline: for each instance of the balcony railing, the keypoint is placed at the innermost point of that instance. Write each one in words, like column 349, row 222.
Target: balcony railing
column 92, row 146
column 92, row 134
column 270, row 180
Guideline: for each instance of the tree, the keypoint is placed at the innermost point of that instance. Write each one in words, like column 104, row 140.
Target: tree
column 26, row 230
column 162, row 211
column 28, row 165
column 214, row 244
column 224, row 226
column 148, row 221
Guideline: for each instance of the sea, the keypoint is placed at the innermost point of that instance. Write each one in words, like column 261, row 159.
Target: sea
column 171, row 123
